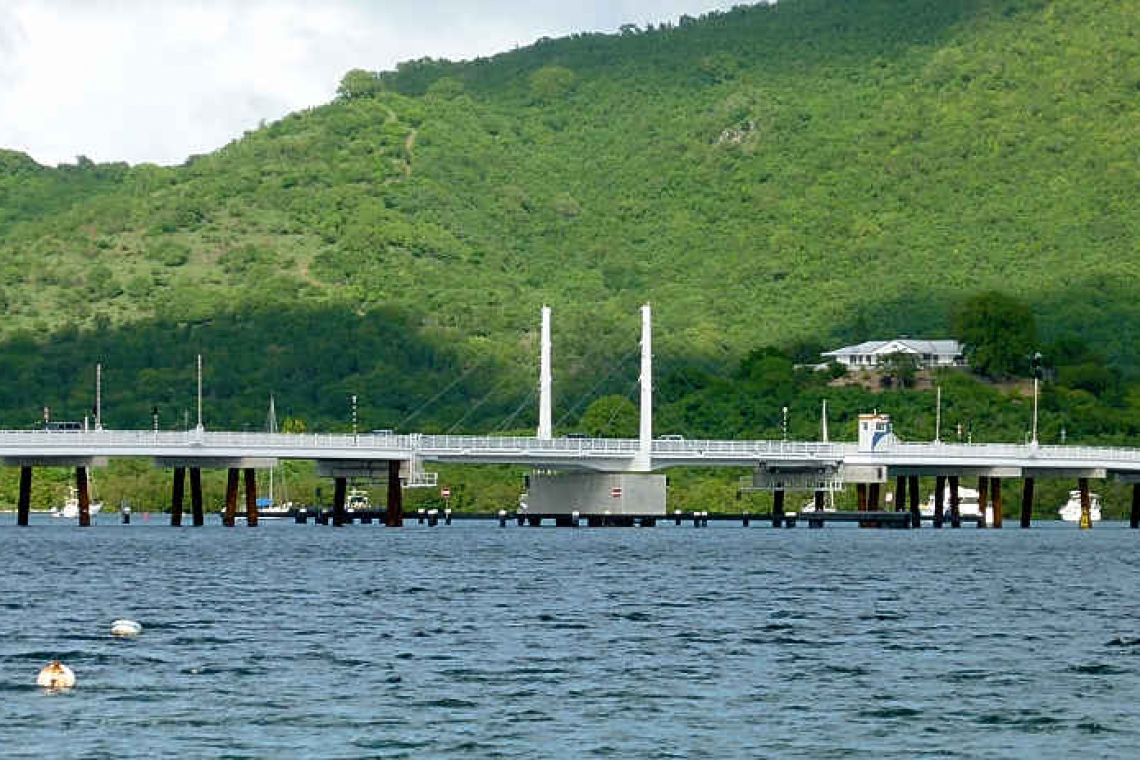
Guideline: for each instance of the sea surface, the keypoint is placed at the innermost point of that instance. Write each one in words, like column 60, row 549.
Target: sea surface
column 288, row 641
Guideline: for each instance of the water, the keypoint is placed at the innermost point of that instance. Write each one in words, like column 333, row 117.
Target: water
column 471, row 640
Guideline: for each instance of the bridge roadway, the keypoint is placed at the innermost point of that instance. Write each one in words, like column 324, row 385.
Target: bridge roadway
column 202, row 448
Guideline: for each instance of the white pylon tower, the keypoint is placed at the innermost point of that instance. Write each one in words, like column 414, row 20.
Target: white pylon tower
column 645, row 438
column 823, row 423
column 545, row 378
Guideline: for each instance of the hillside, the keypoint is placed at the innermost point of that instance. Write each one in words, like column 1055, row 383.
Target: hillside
column 813, row 171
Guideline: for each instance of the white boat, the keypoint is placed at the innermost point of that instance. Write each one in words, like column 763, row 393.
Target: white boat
column 70, row 508
column 1071, row 512
column 357, row 501
column 967, row 504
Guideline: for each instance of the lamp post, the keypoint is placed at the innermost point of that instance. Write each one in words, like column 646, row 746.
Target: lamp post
column 1035, row 364
column 354, row 418
column 784, row 424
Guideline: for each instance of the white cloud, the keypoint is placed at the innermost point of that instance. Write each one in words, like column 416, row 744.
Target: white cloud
column 117, row 80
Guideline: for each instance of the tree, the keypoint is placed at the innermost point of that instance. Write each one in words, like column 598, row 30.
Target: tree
column 550, row 83
column 998, row 331
column 359, row 83
column 900, row 369
column 611, row 417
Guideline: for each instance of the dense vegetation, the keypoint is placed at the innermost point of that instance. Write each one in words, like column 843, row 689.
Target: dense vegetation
column 809, row 173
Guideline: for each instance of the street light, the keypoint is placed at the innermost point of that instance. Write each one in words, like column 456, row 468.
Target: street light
column 1035, row 365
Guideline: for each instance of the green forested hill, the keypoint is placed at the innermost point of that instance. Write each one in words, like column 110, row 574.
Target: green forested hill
column 818, row 170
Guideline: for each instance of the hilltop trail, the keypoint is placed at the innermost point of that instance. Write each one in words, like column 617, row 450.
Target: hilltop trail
column 409, row 142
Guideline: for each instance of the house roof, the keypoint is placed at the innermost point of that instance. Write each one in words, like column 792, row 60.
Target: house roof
column 903, row 345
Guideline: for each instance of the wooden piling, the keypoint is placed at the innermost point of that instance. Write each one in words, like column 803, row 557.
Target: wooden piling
column 395, row 516
column 915, row 512
column 251, row 497
column 983, row 499
column 340, row 486
column 939, row 500
column 84, row 496
column 176, row 496
column 955, row 504
column 1026, row 502
column 229, row 517
column 196, row 510
column 861, row 502
column 995, row 497
column 900, row 493
column 1134, row 518
column 24, row 505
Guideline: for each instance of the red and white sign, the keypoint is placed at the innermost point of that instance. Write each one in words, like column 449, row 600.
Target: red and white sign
column 615, row 492
column 445, row 493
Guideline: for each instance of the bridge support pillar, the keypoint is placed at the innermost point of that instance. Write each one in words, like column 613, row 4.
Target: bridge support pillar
column 251, row 497
column 1026, row 502
column 340, row 488
column 995, row 497
column 873, row 497
column 1086, row 504
column 84, row 496
column 229, row 517
column 24, row 505
column 939, row 500
column 1133, row 519
column 915, row 514
column 196, row 497
column 955, row 504
column 777, row 509
column 900, row 493
column 395, row 515
column 176, row 496
column 983, row 499
column 861, row 502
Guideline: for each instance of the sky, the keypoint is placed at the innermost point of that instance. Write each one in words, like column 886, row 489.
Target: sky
column 160, row 80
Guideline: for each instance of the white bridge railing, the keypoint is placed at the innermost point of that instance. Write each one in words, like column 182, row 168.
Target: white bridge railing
column 15, row 443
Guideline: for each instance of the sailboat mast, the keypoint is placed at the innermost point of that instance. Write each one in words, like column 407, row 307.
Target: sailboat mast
column 271, row 427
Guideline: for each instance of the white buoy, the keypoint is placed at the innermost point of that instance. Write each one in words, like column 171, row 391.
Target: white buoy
column 56, row 675
column 125, row 628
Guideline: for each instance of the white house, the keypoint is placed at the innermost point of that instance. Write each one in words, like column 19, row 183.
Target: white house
column 928, row 353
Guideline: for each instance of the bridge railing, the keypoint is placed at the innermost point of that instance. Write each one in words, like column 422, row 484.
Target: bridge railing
column 983, row 451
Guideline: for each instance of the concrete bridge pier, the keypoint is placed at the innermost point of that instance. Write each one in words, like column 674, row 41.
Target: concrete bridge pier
column 1026, row 502
column 84, row 496
column 1086, row 504
column 777, row 509
column 251, row 497
column 340, row 489
column 900, row 493
column 229, row 515
column 939, row 500
column 196, row 509
column 24, row 504
column 915, row 513
column 1134, row 517
column 995, row 497
column 955, row 503
column 983, row 499
column 395, row 515
column 176, row 496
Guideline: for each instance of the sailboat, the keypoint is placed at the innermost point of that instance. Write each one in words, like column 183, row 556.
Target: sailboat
column 268, row 509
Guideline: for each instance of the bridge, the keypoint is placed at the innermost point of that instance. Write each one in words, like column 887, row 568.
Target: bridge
column 579, row 474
